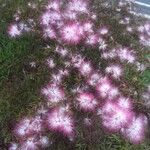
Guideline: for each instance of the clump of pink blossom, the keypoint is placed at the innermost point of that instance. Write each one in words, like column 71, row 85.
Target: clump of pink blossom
column 60, row 120
column 135, row 131
column 53, row 93
column 87, row 101
column 73, row 25
column 144, row 33
column 114, row 116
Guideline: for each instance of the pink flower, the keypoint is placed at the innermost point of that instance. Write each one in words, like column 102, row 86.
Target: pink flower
column 77, row 60
column 62, row 51
column 14, row 31
column 78, row 5
column 22, row 128
column 53, row 93
column 13, row 146
column 103, row 30
column 109, row 54
column 45, row 18
column 115, row 117
column 115, row 70
column 125, row 54
column 124, row 102
column 106, row 89
column 70, row 15
column 87, row 101
column 54, row 5
column 44, row 141
column 50, row 63
column 30, row 143
column 135, row 132
column 57, row 78
column 92, row 39
column 51, row 18
column 87, row 121
column 94, row 79
column 71, row 33
column 28, row 126
column 88, row 27
column 59, row 120
column 49, row 32
column 85, row 68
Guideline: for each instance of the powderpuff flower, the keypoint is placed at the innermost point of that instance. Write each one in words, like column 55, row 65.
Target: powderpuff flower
column 56, row 78
column 62, row 51
column 71, row 33
column 140, row 66
column 87, row 101
column 145, row 29
column 103, row 30
column 44, row 141
column 14, row 30
column 141, row 29
column 106, row 89
column 114, row 117
column 30, row 143
column 78, row 89
column 94, row 79
column 113, row 92
column 49, row 32
column 92, row 15
column 53, row 93
column 78, row 5
column 115, row 70
column 36, row 124
column 124, row 102
column 45, row 18
column 67, row 64
column 135, row 132
column 129, row 29
column 64, row 72
column 126, row 55
column 50, row 63
column 103, row 87
column 42, row 111
column 13, row 146
column 144, row 39
column 24, row 27
column 85, row 68
column 70, row 15
column 34, row 143
column 28, row 126
column 87, row 121
column 50, row 18
column 22, row 128
column 88, row 27
column 92, row 39
column 77, row 60
column 102, row 45
column 54, row 5
column 109, row 55
column 59, row 120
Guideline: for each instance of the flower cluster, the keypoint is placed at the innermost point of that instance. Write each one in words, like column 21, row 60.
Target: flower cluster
column 73, row 26
column 60, row 120
column 144, row 33
column 71, row 23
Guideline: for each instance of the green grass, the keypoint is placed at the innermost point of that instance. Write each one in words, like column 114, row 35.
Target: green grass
column 20, row 86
